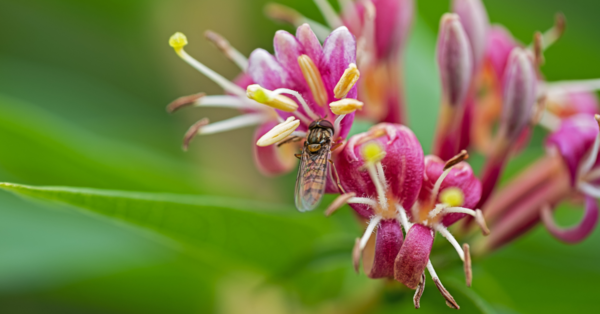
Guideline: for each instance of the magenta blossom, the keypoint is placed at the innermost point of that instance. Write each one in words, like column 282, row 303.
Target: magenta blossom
column 381, row 28
column 318, row 81
column 385, row 180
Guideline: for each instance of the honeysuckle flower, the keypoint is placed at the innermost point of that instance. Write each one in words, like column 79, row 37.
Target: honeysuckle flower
column 381, row 28
column 268, row 160
column 386, row 181
column 571, row 168
column 302, row 80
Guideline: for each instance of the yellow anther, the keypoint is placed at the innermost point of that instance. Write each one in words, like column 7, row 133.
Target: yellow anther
column 347, row 81
column 372, row 152
column 313, row 79
column 266, row 97
column 345, row 106
column 279, row 132
column 453, row 197
column 178, row 41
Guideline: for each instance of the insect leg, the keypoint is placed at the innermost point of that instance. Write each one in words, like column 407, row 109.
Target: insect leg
column 337, row 177
column 291, row 139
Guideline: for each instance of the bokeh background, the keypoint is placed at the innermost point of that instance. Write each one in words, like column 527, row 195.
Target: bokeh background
column 83, row 90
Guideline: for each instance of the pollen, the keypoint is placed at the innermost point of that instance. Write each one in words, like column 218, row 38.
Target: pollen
column 178, row 41
column 372, row 152
column 313, row 79
column 267, row 97
column 453, row 197
column 345, row 106
column 347, row 81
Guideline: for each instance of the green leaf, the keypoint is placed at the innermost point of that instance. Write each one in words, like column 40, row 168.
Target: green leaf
column 221, row 231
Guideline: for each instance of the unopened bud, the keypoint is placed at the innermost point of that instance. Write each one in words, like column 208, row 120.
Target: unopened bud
column 475, row 21
column 266, row 97
column 279, row 132
column 520, row 92
column 345, row 106
column 455, row 59
column 347, row 81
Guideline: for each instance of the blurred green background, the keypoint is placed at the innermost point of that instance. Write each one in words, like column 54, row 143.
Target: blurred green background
column 83, row 90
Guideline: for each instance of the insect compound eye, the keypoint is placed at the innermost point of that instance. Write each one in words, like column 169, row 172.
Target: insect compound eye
column 326, row 124
column 313, row 124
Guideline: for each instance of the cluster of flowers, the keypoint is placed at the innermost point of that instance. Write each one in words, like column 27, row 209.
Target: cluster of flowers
column 489, row 82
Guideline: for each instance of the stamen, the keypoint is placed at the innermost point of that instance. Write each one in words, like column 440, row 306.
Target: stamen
column 554, row 33
column 449, row 299
column 178, row 41
column 329, row 13
column 590, row 160
column 311, row 114
column 444, row 232
column 370, row 228
column 346, row 82
column 403, row 218
column 339, row 202
column 239, row 59
column 549, row 121
column 183, row 102
column 567, row 87
column 279, row 132
column 419, row 292
column 538, row 49
column 362, row 200
column 299, row 134
column 467, row 265
column 345, row 106
column 462, row 156
column 313, row 79
column 478, row 214
column 192, row 132
column 288, row 15
column 267, row 97
column 356, row 253
column 337, row 123
column 381, row 174
column 380, row 189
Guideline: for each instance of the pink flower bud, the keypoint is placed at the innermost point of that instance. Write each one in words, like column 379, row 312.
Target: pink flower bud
column 476, row 23
column 520, row 94
column 455, row 59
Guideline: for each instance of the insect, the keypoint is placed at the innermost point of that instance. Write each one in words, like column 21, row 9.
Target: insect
column 312, row 175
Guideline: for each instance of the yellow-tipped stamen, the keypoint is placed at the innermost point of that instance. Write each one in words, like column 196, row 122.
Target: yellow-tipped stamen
column 238, row 58
column 453, row 197
column 288, row 15
column 313, row 79
column 447, row 168
column 266, row 97
column 345, row 106
column 372, row 153
column 178, row 41
column 346, row 82
column 329, row 13
column 279, row 132
column 311, row 114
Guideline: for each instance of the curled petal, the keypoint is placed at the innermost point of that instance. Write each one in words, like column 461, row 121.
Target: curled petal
column 413, row 256
column 573, row 140
column 387, row 245
column 576, row 233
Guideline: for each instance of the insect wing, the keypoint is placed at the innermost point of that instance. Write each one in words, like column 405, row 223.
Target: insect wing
column 312, row 177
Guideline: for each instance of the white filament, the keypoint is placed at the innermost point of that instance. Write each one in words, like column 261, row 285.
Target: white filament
column 403, row 218
column 234, row 123
column 589, row 161
column 444, row 232
column 372, row 224
column 337, row 123
column 567, row 87
column 380, row 190
column 226, row 101
column 459, row 210
column 329, row 13
column 227, row 85
column 589, row 189
column 362, row 200
column 311, row 114
column 438, row 183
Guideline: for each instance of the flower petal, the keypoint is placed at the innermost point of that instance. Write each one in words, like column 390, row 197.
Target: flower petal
column 387, row 245
column 578, row 232
column 339, row 50
column 287, row 51
column 266, row 71
column 308, row 39
column 413, row 256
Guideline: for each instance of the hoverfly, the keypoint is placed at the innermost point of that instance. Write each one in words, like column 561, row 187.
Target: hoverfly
column 313, row 171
